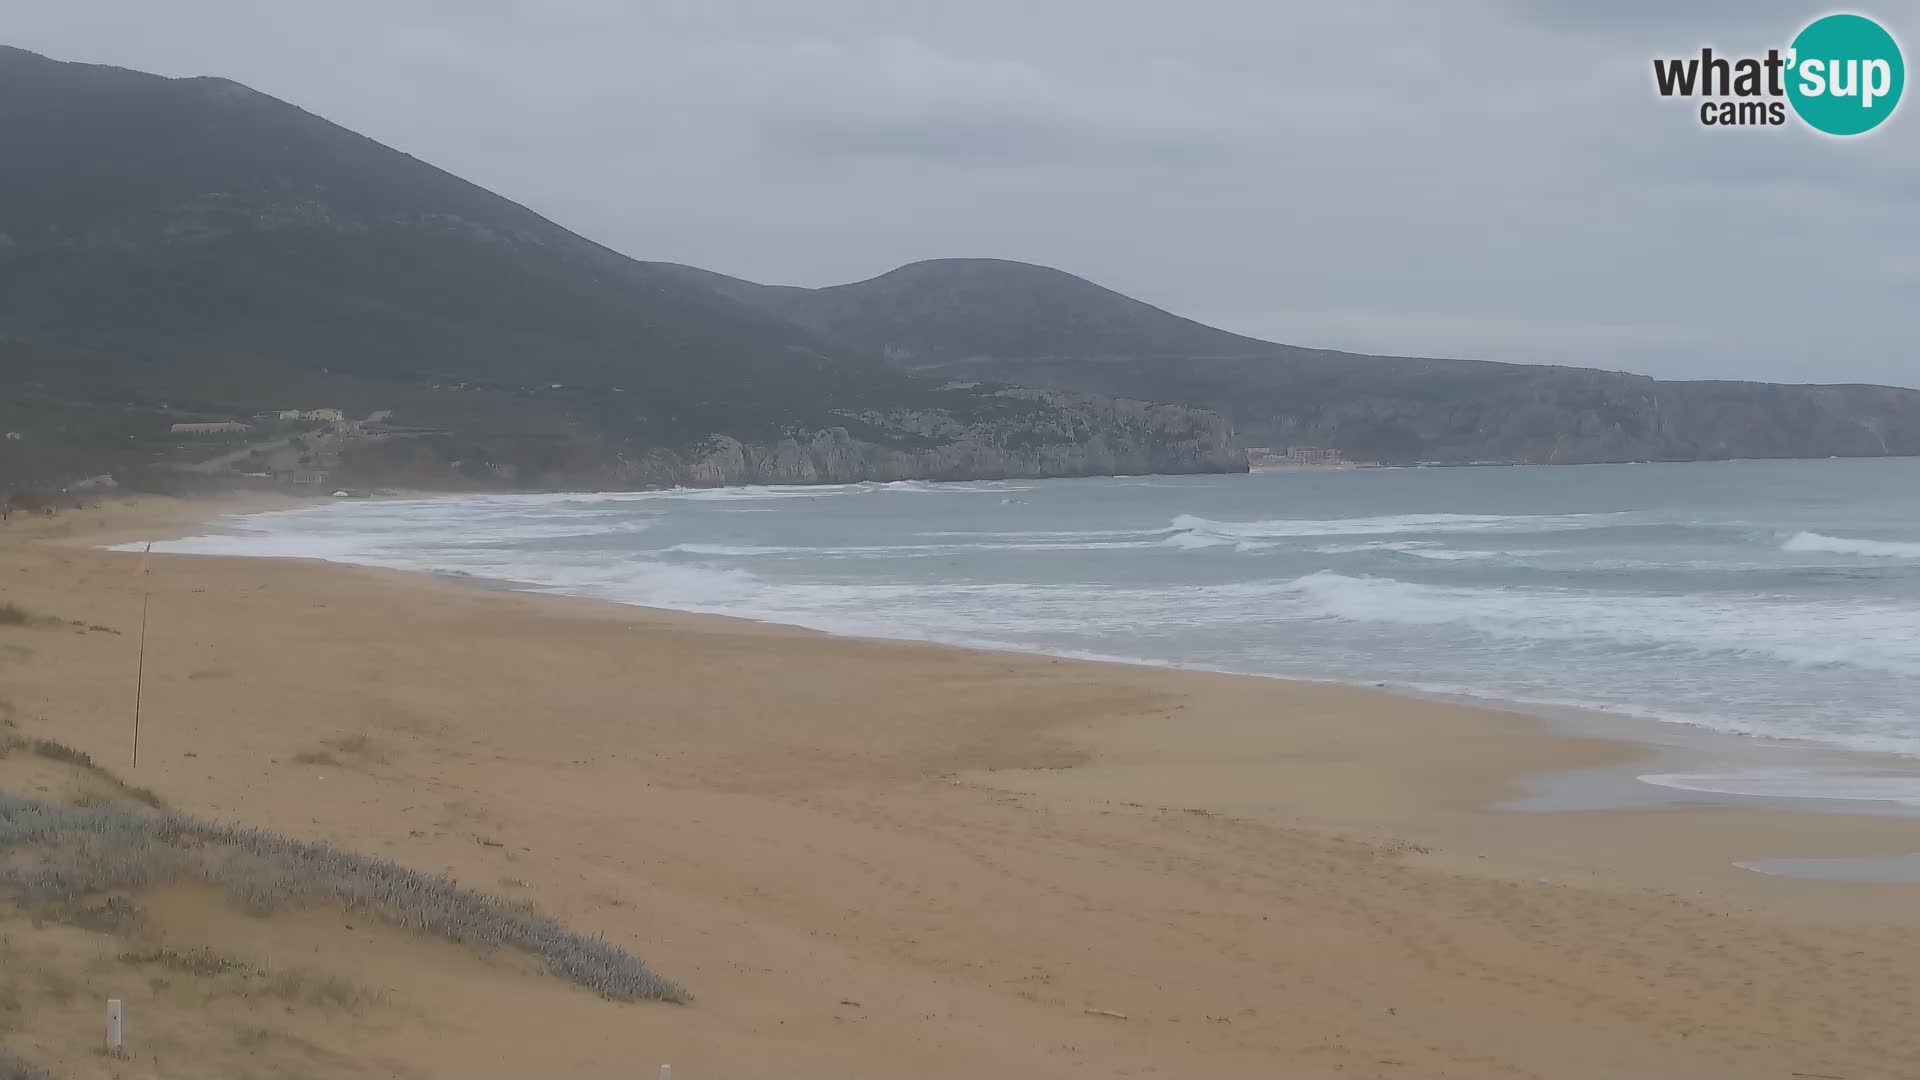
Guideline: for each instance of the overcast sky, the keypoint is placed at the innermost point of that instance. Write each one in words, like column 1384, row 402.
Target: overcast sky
column 1483, row 178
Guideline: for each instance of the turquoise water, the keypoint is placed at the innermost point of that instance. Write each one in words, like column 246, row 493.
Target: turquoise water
column 1767, row 598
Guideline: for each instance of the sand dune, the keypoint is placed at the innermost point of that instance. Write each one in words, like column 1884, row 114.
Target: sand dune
column 881, row 859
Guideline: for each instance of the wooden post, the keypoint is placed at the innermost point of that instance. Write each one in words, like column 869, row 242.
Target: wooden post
column 116, row 1028
column 666, row 1072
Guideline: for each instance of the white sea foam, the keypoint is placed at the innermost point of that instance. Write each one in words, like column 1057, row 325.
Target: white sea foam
column 1875, row 869
column 1193, row 532
column 1389, row 524
column 752, row 492
column 899, row 551
column 947, row 487
column 512, row 533
column 744, row 494
column 1845, row 545
column 1042, row 534
column 1647, row 618
column 1283, row 528
column 1201, row 541
column 1848, row 785
column 733, row 550
column 647, row 582
column 1423, row 549
column 1854, row 633
column 1851, row 633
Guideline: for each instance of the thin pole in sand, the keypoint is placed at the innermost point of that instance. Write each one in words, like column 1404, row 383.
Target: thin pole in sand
column 140, row 671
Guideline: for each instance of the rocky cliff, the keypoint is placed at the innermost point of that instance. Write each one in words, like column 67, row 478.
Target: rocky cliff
column 1565, row 416
column 1018, row 323
column 1082, row 437
column 1037, row 434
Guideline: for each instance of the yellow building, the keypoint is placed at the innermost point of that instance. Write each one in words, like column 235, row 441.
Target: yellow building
column 325, row 416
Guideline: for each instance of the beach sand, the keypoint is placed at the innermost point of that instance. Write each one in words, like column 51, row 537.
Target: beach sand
column 887, row 859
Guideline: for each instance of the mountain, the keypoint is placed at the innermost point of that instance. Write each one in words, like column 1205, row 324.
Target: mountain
column 943, row 311
column 996, row 320
column 181, row 249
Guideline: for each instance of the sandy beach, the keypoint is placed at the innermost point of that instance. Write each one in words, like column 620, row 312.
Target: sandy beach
column 872, row 859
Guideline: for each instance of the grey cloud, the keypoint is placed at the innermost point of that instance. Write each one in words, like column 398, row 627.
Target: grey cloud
column 892, row 96
column 1638, row 15
column 1490, row 178
column 962, row 137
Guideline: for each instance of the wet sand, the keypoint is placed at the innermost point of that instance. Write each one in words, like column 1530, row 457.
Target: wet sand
column 874, row 858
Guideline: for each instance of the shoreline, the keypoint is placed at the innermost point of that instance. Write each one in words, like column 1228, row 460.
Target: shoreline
column 1677, row 761
column 869, row 857
column 1655, row 763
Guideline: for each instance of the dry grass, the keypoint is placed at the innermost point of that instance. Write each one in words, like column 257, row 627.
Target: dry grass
column 319, row 988
column 10, row 1005
column 293, row 985
column 12, row 1068
column 352, row 744
column 12, row 614
column 359, row 746
column 54, row 750
column 85, row 851
column 200, row 962
column 263, row 1041
column 341, row 753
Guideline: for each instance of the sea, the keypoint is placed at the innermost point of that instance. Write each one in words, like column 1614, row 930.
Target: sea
column 1778, row 599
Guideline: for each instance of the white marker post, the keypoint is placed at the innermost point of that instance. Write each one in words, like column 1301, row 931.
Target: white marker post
column 116, row 1028
column 666, row 1072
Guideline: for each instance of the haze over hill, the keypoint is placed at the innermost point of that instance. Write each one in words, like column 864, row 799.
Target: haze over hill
column 991, row 319
column 177, row 249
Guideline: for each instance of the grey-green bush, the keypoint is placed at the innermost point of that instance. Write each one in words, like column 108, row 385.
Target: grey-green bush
column 84, row 850
column 12, row 1068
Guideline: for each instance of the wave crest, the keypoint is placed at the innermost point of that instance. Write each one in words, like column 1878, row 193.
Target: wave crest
column 1811, row 633
column 1847, row 545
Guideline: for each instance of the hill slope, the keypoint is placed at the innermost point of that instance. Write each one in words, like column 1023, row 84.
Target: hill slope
column 947, row 310
column 193, row 242
column 201, row 213
column 989, row 319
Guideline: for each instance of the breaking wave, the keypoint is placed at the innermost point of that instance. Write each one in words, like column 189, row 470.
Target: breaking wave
column 1845, row 545
column 1733, row 615
column 1848, row 633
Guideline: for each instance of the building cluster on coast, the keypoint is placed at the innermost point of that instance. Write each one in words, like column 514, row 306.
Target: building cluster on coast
column 260, row 420
column 296, row 447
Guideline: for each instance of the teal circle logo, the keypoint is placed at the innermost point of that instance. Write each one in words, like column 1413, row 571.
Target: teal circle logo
column 1845, row 74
